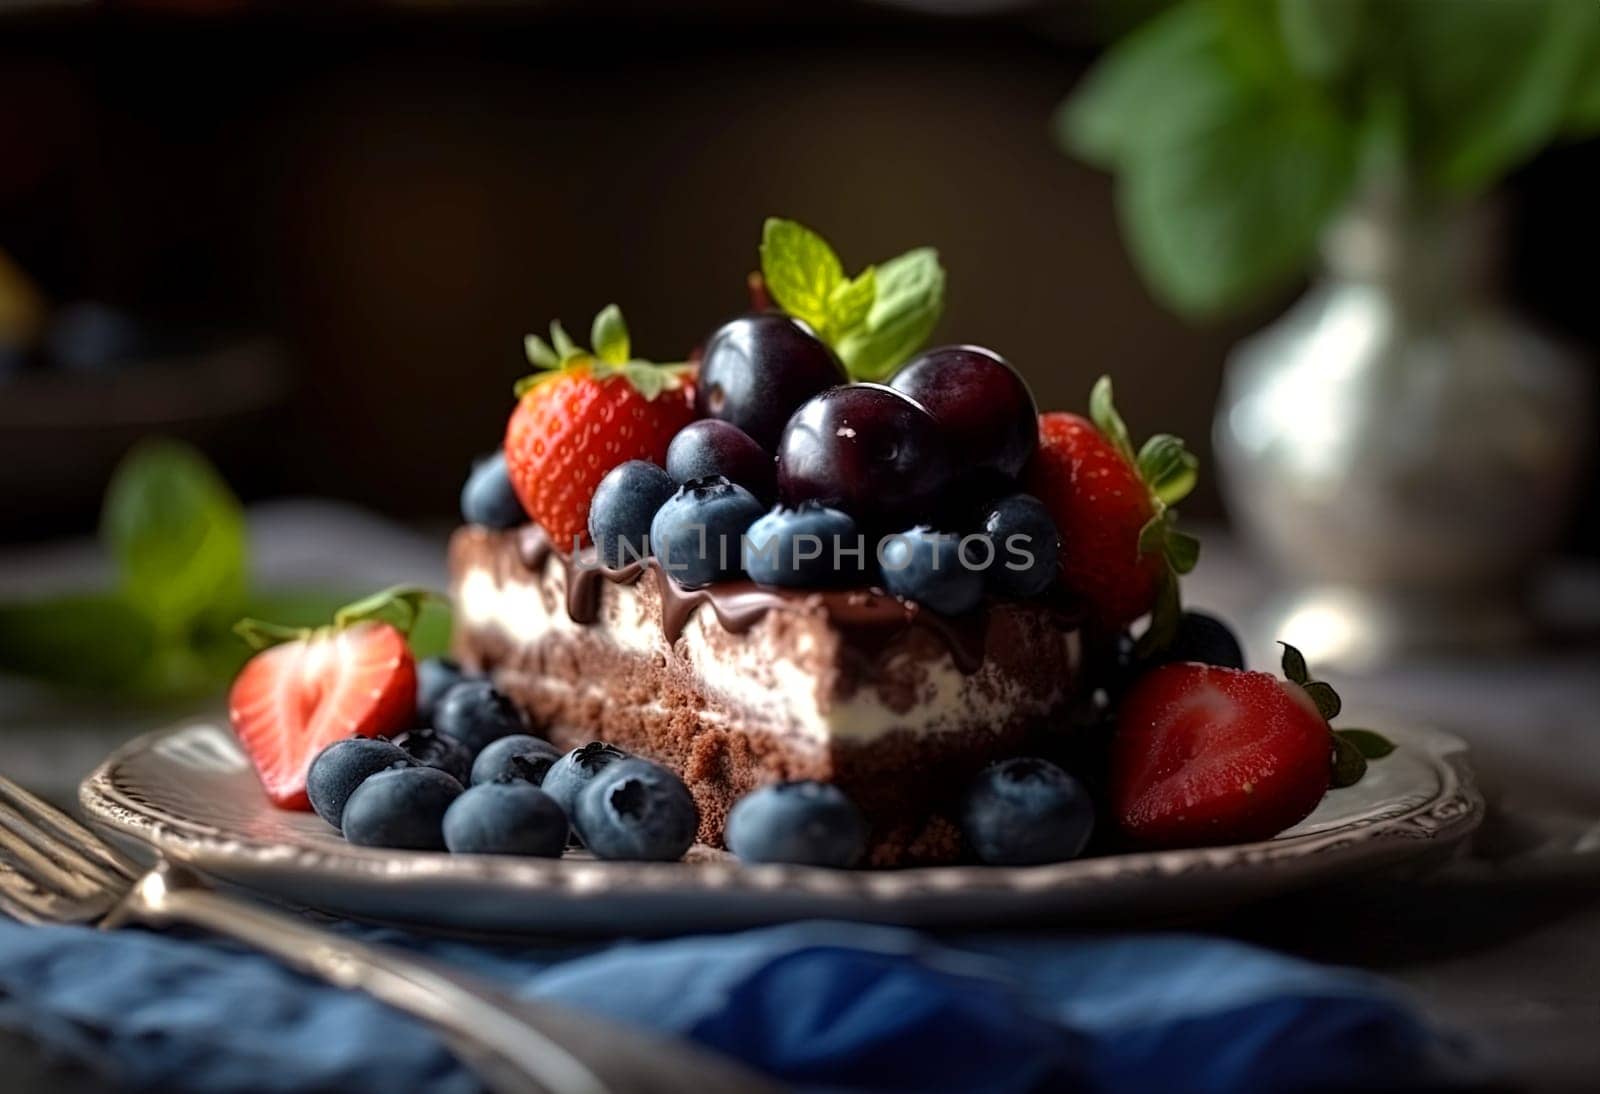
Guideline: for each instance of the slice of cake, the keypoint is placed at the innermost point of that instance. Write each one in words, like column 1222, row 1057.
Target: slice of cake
column 737, row 685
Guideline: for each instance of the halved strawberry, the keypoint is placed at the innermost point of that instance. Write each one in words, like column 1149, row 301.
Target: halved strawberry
column 1204, row 755
column 356, row 678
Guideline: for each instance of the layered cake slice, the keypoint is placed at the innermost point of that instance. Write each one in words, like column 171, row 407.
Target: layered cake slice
column 737, row 685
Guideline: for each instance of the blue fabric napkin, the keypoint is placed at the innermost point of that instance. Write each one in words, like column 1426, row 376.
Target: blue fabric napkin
column 820, row 1005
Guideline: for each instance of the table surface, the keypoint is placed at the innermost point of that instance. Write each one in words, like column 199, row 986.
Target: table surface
column 1504, row 942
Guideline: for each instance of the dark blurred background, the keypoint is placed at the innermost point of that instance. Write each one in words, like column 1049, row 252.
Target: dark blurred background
column 353, row 216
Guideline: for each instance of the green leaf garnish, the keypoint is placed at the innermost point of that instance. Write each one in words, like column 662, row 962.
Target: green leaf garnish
column 609, row 334
column 801, row 270
column 909, row 303
column 1372, row 745
column 874, row 321
column 1168, row 468
column 1103, row 412
column 176, row 533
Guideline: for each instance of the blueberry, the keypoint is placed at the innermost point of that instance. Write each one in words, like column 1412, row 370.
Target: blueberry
column 488, row 497
column 1206, row 639
column 576, row 769
column 1025, row 811
column 810, row 823
column 430, row 748
column 435, row 676
column 635, row 809
column 343, row 766
column 696, row 533
column 809, row 546
column 711, row 447
column 928, row 567
column 403, row 807
column 621, row 510
column 1027, row 547
column 475, row 712
column 517, row 758
column 509, row 818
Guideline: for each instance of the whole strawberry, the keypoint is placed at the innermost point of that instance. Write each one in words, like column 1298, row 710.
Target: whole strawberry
column 1120, row 553
column 1204, row 755
column 582, row 415
column 309, row 687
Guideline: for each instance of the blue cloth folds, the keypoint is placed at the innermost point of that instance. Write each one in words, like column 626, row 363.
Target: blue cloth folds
column 819, row 1005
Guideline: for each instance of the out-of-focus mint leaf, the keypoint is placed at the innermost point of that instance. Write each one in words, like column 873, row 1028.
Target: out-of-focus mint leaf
column 176, row 533
column 1583, row 115
column 1322, row 38
column 93, row 641
column 1489, row 82
column 908, row 303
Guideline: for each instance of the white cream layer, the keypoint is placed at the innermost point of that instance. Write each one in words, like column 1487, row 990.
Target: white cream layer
column 949, row 699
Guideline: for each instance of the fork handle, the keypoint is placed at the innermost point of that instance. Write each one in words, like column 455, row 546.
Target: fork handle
column 513, row 1046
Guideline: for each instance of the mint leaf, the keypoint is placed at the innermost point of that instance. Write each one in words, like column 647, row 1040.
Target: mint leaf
column 910, row 299
column 95, row 641
column 851, row 302
column 1491, row 82
column 176, row 533
column 1374, row 746
column 1322, row 37
column 800, row 269
column 609, row 336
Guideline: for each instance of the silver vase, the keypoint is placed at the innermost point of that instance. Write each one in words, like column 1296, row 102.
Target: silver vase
column 1399, row 446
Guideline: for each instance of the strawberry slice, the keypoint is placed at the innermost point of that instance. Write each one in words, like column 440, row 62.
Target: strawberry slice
column 1205, row 755
column 314, row 687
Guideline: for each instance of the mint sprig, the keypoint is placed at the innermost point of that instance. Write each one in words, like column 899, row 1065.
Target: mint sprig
column 876, row 320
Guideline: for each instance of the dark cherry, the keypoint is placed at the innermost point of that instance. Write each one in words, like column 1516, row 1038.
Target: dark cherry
column 985, row 407
column 756, row 369
column 866, row 449
column 710, row 447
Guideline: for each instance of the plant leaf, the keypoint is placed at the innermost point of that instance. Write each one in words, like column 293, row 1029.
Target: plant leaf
column 566, row 349
column 851, row 302
column 1489, row 82
column 1325, row 697
column 1164, row 619
column 540, row 354
column 1103, row 412
column 1168, row 468
column 909, row 301
column 1372, row 745
column 1349, row 765
column 1321, row 38
column 94, row 641
column 800, row 268
column 1182, row 551
column 177, row 535
column 398, row 605
column 1294, row 665
column 609, row 336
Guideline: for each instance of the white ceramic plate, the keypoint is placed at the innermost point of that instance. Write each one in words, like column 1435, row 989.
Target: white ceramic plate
column 190, row 792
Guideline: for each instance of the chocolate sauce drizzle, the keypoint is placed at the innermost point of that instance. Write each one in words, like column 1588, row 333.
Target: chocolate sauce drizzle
column 870, row 618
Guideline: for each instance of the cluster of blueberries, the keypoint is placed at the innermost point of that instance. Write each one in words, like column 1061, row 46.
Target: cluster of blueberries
column 476, row 782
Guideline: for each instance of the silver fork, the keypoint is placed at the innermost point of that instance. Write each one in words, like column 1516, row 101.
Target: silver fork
column 54, row 870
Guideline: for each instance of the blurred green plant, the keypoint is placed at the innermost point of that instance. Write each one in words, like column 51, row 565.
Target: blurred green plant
column 176, row 536
column 1237, row 128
